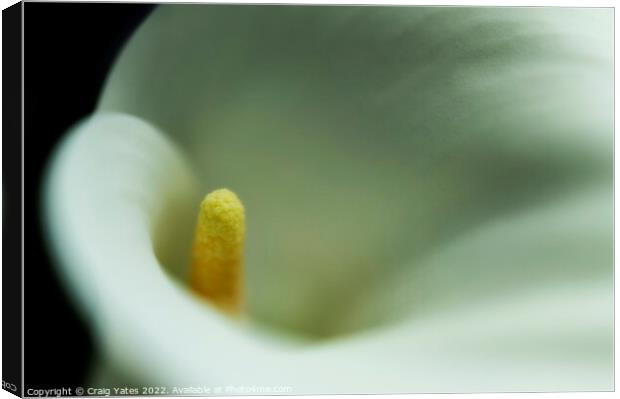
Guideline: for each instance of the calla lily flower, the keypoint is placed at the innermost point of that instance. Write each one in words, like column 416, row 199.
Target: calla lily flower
column 428, row 195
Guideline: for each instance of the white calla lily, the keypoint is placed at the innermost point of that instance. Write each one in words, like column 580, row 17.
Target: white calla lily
column 428, row 195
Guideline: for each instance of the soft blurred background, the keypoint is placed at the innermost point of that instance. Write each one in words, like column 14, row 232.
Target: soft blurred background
column 69, row 49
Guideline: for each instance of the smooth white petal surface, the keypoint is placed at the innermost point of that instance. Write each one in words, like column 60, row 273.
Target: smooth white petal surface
column 429, row 187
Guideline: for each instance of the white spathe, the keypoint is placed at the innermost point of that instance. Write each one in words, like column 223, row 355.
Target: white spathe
column 428, row 188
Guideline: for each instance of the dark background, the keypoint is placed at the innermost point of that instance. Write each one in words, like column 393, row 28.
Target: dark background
column 68, row 50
